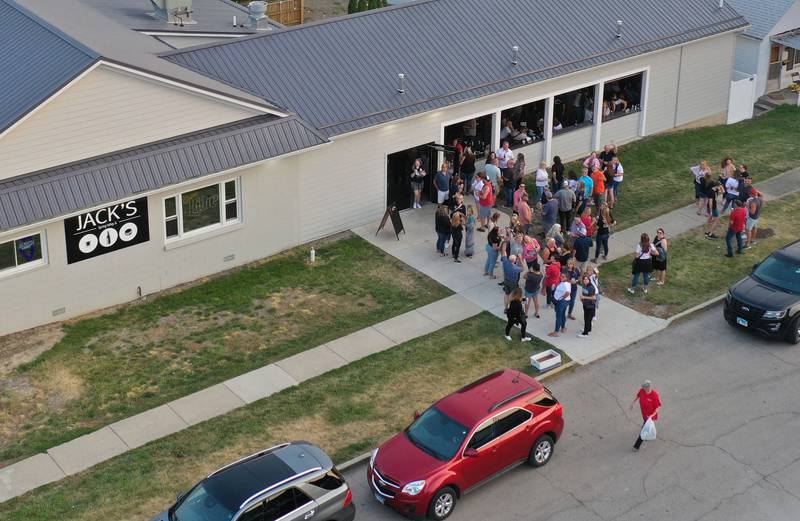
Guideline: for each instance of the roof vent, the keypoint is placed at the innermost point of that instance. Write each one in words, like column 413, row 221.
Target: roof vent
column 721, row 4
column 401, row 83
column 619, row 28
column 258, row 16
column 515, row 55
column 177, row 12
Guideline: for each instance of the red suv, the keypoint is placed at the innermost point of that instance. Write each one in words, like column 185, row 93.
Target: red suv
column 500, row 421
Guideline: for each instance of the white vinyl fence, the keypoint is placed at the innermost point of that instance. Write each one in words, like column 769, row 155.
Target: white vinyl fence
column 742, row 97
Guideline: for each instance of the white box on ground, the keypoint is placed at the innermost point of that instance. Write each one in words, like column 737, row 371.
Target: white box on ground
column 546, row 360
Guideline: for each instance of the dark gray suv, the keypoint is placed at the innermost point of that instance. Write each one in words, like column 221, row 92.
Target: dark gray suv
column 288, row 482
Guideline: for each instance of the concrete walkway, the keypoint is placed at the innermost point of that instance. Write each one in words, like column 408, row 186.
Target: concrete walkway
column 89, row 450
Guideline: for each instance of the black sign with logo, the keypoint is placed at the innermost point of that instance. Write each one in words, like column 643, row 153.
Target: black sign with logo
column 107, row 229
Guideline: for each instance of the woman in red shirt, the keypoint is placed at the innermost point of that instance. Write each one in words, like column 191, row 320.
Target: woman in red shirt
column 588, row 220
column 649, row 403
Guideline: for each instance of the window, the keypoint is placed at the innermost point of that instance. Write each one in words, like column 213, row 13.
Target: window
column 544, row 399
column 254, row 514
column 329, row 481
column 22, row 251
column 573, row 110
column 512, row 419
column 437, row 434
column 775, row 54
column 208, row 207
column 284, row 502
column 622, row 96
column 475, row 133
column 482, row 436
column 523, row 125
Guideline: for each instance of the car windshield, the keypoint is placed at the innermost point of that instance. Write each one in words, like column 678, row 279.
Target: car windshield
column 780, row 271
column 437, row 434
column 200, row 505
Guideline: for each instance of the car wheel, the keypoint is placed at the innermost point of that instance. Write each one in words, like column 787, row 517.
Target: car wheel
column 793, row 334
column 542, row 451
column 442, row 504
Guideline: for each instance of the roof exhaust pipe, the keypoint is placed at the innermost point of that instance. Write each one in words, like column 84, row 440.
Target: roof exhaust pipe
column 721, row 4
column 515, row 55
column 619, row 28
column 401, row 83
column 258, row 16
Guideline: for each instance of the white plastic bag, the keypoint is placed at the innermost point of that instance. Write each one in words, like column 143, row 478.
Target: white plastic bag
column 648, row 430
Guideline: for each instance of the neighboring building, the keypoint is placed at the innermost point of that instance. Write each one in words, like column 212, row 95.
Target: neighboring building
column 128, row 167
column 770, row 48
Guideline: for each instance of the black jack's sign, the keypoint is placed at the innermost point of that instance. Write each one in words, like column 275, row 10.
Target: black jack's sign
column 105, row 230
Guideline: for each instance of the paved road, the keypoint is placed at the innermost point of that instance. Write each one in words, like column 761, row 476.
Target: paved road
column 728, row 448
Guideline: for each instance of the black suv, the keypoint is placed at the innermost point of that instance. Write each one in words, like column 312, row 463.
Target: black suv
column 768, row 300
column 288, row 482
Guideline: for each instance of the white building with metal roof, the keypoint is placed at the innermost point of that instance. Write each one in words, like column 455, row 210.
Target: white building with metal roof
column 129, row 165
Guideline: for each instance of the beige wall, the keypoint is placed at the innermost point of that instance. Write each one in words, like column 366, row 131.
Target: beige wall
column 705, row 79
column 108, row 110
column 315, row 193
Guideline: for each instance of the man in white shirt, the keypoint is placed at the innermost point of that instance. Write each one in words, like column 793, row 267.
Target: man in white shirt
column 504, row 155
column 731, row 191
column 561, row 297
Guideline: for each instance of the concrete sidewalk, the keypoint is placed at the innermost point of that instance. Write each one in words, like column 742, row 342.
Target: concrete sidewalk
column 89, row 450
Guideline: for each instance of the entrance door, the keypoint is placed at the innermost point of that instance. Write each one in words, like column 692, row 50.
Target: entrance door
column 774, row 72
column 398, row 181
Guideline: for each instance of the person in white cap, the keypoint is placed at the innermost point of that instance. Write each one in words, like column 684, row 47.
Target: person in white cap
column 650, row 404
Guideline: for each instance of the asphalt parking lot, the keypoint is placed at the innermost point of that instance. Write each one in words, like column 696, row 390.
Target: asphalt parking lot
column 728, row 447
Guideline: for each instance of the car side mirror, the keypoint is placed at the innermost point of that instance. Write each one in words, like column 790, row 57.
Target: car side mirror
column 471, row 453
column 755, row 266
column 416, row 415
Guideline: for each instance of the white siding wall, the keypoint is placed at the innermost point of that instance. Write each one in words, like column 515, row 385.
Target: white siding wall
column 662, row 87
column 621, row 130
column 705, row 79
column 105, row 111
column 269, row 208
column 573, row 144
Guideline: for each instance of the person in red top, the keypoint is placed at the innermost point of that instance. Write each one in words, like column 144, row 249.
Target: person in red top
column 736, row 224
column 588, row 220
column 599, row 188
column 552, row 276
column 650, row 404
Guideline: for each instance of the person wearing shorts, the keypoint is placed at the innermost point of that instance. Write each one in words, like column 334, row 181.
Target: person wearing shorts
column 533, row 285
column 754, row 205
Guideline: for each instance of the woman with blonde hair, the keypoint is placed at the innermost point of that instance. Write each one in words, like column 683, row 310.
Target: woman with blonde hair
column 555, row 233
column 700, row 196
column 456, row 233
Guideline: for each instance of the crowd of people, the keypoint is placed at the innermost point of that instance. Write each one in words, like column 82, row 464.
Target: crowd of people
column 545, row 246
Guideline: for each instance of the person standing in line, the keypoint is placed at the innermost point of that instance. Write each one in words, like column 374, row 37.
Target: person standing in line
column 660, row 261
column 700, row 194
column 549, row 213
column 519, row 171
column 577, row 228
column 525, row 214
column 504, row 155
column 493, row 174
column 552, row 276
column 542, row 180
column 508, row 184
column 594, row 278
column 736, row 225
column 533, row 285
column 518, row 195
column 485, row 203
column 604, row 223
column 417, row 182
column 561, row 296
column 598, row 188
column 469, row 239
column 468, row 168
column 557, row 172
column 754, row 206
column 441, row 182
column 580, row 198
column 477, row 187
column 609, row 152
column 457, row 233
column 588, row 299
column 592, row 162
column 457, row 205
column 442, row 229
column 588, row 184
column 566, row 202
column 511, row 273
column 516, row 315
column 574, row 274
column 650, row 405
column 582, row 246
column 642, row 263
column 492, row 251
column 616, row 180
column 714, row 189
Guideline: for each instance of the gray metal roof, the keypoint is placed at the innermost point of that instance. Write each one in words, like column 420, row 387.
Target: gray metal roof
column 36, row 60
column 58, row 191
column 341, row 74
column 788, row 39
column 762, row 14
column 212, row 16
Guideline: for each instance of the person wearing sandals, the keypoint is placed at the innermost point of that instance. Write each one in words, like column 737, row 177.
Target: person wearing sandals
column 642, row 263
column 516, row 315
column 533, row 285
column 660, row 261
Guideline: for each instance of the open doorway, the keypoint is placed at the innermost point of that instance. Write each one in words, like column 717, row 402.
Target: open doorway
column 398, row 170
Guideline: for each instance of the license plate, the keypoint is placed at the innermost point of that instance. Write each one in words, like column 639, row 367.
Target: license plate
column 741, row 321
column 380, row 498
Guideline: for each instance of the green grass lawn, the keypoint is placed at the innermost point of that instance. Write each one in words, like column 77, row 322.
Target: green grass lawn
column 139, row 356
column 347, row 412
column 657, row 176
column 697, row 269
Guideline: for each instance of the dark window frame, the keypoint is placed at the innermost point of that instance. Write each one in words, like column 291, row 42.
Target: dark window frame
column 633, row 107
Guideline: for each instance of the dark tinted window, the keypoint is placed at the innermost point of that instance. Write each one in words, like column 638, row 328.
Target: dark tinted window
column 329, row 481
column 780, row 271
column 285, row 502
column 254, row 514
column 437, row 434
column 482, row 437
column 509, row 421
